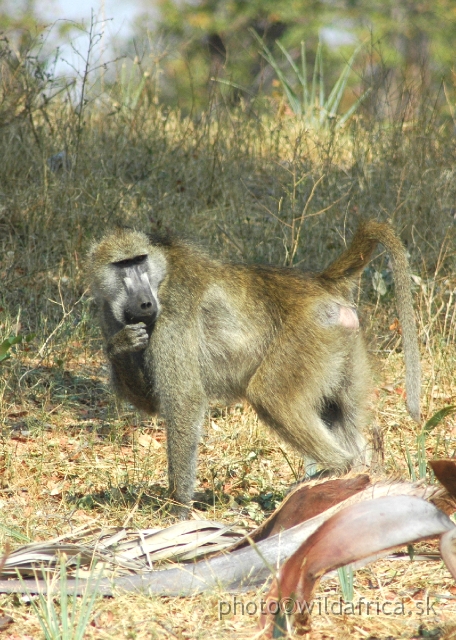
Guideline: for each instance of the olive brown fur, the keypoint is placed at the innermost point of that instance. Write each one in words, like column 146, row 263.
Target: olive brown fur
column 183, row 329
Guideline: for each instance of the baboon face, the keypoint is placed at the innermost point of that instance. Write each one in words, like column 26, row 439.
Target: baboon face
column 129, row 281
column 141, row 304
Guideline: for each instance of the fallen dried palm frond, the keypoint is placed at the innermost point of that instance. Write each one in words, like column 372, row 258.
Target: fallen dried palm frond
column 238, row 566
column 122, row 551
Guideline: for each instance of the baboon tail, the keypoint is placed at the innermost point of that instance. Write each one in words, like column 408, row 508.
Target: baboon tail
column 358, row 254
column 350, row 264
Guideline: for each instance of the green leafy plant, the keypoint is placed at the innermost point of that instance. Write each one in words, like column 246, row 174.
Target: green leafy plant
column 310, row 101
column 6, row 345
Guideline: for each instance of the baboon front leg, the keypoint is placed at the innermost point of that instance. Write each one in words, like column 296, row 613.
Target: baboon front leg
column 182, row 402
column 184, row 424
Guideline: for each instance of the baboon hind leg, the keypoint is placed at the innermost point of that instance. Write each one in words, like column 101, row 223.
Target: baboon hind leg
column 344, row 419
column 310, row 412
column 346, row 412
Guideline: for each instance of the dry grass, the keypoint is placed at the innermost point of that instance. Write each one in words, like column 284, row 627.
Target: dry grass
column 250, row 188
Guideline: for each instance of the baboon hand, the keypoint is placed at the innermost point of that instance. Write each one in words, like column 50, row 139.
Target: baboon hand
column 135, row 337
column 131, row 339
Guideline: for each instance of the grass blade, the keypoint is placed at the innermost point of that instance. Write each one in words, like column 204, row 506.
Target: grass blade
column 353, row 108
column 346, row 579
column 305, row 90
column 437, row 418
column 322, row 83
column 313, row 91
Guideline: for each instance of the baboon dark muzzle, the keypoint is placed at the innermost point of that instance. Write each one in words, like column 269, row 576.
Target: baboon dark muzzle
column 141, row 303
column 141, row 309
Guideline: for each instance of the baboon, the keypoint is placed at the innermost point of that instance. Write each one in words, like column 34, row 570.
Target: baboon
column 183, row 329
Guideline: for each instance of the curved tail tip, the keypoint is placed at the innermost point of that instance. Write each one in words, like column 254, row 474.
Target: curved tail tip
column 414, row 411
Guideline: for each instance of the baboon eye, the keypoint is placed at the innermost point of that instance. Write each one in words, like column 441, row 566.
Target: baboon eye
column 131, row 262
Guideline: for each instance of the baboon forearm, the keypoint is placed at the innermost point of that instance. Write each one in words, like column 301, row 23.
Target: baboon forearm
column 116, row 349
column 133, row 387
column 125, row 351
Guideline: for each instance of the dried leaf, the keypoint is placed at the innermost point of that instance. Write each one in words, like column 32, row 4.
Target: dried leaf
column 395, row 326
column 127, row 551
column 148, row 442
column 102, row 620
column 445, row 472
column 57, row 490
column 5, row 622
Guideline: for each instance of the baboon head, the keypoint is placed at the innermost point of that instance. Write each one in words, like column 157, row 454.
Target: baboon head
column 126, row 276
